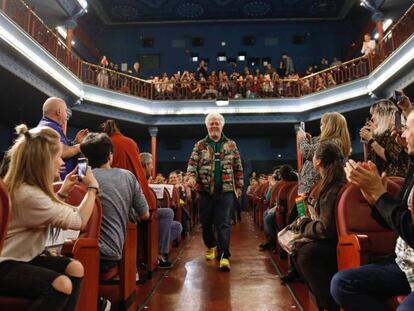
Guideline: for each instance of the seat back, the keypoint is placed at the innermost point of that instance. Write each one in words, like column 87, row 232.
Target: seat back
column 285, row 191
column 75, row 197
column 274, row 194
column 4, row 212
column 166, row 200
column 353, row 216
column 398, row 180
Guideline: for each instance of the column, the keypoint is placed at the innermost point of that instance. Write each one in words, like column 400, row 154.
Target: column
column 153, row 131
column 380, row 31
column 70, row 25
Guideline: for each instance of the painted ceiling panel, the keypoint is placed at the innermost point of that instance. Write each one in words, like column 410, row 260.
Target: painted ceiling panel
column 127, row 11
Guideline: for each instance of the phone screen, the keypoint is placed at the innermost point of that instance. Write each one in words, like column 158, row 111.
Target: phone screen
column 82, row 166
column 302, row 125
column 398, row 121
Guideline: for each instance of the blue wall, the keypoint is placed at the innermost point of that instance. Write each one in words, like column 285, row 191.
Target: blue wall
column 322, row 39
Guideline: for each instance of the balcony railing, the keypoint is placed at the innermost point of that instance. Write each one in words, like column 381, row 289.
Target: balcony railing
column 354, row 69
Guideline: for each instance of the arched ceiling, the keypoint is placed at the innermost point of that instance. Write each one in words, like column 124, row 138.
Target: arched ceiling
column 158, row 11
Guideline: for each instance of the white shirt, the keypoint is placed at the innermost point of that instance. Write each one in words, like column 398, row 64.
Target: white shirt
column 368, row 47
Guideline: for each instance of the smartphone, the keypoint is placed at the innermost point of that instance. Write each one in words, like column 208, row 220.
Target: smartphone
column 302, row 125
column 398, row 121
column 397, row 96
column 82, row 167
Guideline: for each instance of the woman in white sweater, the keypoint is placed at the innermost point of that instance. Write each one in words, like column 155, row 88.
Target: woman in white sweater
column 52, row 282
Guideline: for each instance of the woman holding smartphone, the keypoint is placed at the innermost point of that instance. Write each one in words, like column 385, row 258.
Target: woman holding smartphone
column 53, row 283
column 333, row 128
column 379, row 145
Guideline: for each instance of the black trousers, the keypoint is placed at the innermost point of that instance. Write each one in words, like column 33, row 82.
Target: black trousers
column 316, row 263
column 34, row 280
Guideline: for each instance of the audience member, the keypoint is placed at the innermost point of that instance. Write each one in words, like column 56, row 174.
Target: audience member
column 269, row 216
column 315, row 259
column 119, row 199
column 169, row 229
column 54, row 282
column 135, row 70
column 333, row 128
column 103, row 75
column 290, row 67
column 126, row 156
column 379, row 145
column 202, row 69
column 366, row 287
column 336, row 62
column 55, row 116
column 368, row 45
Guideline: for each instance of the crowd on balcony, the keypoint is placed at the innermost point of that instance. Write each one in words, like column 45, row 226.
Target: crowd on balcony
column 268, row 82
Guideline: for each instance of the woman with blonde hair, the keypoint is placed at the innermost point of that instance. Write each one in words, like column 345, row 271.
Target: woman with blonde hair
column 333, row 128
column 379, row 146
column 53, row 283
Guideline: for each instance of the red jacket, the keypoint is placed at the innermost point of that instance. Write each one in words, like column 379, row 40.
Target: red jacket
column 127, row 156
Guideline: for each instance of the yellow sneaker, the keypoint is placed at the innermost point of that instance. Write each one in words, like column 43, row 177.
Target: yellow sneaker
column 224, row 264
column 211, row 253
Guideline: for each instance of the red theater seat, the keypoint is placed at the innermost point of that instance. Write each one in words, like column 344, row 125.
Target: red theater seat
column 148, row 232
column 123, row 293
column 361, row 238
column 85, row 249
column 6, row 302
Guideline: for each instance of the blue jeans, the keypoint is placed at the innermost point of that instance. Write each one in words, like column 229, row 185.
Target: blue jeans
column 216, row 210
column 366, row 287
column 169, row 229
column 269, row 224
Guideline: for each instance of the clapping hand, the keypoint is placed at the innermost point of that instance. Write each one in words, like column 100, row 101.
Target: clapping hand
column 367, row 178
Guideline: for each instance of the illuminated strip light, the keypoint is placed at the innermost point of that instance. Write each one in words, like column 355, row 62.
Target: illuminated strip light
column 277, row 108
column 38, row 61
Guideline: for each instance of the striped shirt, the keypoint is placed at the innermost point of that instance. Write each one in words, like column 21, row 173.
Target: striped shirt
column 405, row 255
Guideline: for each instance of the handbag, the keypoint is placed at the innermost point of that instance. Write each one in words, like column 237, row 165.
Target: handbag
column 286, row 238
column 290, row 239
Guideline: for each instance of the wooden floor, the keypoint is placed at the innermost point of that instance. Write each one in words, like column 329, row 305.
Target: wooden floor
column 196, row 284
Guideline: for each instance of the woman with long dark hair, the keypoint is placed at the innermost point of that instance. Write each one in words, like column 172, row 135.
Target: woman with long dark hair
column 316, row 259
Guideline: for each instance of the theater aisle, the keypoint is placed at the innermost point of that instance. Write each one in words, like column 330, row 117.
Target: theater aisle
column 195, row 284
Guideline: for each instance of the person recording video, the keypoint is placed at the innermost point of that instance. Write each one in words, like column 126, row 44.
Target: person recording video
column 379, row 145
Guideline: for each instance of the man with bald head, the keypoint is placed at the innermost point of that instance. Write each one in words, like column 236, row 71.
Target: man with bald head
column 55, row 116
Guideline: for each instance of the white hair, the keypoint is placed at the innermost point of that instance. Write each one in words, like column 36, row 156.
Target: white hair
column 214, row 115
column 146, row 158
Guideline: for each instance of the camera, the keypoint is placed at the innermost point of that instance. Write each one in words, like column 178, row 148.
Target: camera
column 82, row 167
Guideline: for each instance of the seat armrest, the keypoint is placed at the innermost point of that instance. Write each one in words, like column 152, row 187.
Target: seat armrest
column 358, row 241
column 351, row 251
column 71, row 247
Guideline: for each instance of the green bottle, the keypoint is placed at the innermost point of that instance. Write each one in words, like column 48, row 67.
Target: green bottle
column 300, row 206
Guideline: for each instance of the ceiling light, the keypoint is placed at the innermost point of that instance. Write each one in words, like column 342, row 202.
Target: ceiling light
column 62, row 31
column 387, row 24
column 222, row 102
column 83, row 3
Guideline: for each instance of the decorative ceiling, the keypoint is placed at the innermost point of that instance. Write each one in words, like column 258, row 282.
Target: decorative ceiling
column 168, row 11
